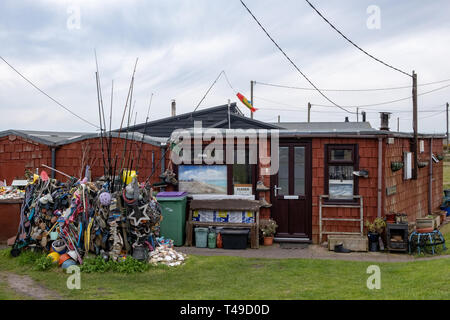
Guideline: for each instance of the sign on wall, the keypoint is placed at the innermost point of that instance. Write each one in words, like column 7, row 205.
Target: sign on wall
column 243, row 189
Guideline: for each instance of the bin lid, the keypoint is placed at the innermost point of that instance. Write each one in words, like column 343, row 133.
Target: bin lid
column 201, row 229
column 235, row 231
column 171, row 194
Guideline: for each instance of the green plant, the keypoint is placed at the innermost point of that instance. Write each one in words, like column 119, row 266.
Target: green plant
column 377, row 226
column 43, row 263
column 128, row 265
column 268, row 227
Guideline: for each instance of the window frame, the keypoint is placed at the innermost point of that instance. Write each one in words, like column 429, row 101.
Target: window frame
column 230, row 188
column 329, row 162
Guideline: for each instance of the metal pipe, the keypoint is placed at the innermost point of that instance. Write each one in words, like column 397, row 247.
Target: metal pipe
column 53, row 162
column 380, row 173
column 430, row 181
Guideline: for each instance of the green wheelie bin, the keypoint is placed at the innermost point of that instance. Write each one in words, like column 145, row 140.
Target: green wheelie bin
column 173, row 207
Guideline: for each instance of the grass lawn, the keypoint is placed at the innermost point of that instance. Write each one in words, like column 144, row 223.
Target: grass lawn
column 244, row 278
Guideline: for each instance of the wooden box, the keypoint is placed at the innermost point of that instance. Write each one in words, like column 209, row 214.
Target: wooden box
column 422, row 223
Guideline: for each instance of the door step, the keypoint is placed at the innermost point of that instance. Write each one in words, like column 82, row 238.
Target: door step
column 292, row 240
column 293, row 245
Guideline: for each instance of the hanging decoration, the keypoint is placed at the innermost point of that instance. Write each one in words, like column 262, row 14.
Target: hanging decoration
column 246, row 102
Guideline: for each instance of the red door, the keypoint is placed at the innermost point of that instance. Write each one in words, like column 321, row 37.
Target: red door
column 291, row 192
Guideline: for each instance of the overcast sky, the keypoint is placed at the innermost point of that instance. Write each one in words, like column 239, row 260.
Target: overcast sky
column 183, row 45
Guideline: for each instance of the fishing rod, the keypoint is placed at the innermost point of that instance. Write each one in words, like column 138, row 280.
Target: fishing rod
column 99, row 92
column 128, row 96
column 143, row 135
column 100, row 117
column 130, row 154
column 110, row 124
column 60, row 172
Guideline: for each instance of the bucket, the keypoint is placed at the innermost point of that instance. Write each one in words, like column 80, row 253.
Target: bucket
column 201, row 237
column 374, row 245
column 212, row 239
column 53, row 235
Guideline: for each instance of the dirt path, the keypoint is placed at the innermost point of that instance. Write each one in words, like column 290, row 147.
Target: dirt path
column 25, row 286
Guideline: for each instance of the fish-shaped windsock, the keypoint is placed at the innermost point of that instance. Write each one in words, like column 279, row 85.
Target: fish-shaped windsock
column 246, row 102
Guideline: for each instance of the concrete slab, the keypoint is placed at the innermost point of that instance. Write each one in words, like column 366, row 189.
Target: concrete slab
column 354, row 243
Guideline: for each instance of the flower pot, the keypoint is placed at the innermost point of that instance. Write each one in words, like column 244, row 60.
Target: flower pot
column 374, row 245
column 268, row 241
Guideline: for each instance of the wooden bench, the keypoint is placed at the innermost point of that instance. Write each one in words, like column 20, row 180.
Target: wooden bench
column 225, row 205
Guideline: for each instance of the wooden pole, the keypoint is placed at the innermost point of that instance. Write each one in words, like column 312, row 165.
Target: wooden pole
column 251, row 97
column 414, row 97
column 309, row 111
column 447, row 126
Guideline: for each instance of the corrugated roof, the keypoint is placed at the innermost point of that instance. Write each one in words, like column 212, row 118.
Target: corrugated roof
column 325, row 126
column 57, row 138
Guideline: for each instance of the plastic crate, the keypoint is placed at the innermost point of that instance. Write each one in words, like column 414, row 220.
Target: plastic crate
column 234, row 238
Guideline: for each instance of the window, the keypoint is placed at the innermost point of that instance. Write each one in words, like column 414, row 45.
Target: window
column 341, row 161
column 214, row 178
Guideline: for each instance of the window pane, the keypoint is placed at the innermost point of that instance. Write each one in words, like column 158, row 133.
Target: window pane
column 299, row 170
column 283, row 171
column 340, row 182
column 341, row 155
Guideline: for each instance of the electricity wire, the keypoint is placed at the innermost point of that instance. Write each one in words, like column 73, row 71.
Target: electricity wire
column 47, row 95
column 348, row 90
column 292, row 63
column 354, row 44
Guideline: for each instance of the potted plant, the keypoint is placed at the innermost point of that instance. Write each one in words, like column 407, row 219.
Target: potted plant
column 374, row 230
column 268, row 228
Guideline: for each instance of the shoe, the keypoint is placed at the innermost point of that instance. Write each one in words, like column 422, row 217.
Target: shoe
column 340, row 248
column 261, row 187
column 264, row 203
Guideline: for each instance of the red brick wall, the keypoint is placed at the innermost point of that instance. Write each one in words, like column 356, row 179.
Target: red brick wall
column 18, row 154
column 368, row 160
column 411, row 196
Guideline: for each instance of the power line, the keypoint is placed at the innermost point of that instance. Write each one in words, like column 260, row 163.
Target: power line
column 347, row 90
column 387, row 102
column 293, row 64
column 354, row 44
column 47, row 95
column 315, row 110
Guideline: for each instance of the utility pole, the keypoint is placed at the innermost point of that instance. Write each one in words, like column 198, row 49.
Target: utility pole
column 357, row 114
column 414, row 96
column 447, row 126
column 251, row 97
column 309, row 111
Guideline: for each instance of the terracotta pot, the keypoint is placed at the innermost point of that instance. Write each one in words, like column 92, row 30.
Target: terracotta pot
column 268, row 241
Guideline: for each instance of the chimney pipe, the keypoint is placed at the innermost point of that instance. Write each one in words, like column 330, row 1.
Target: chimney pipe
column 384, row 120
column 174, row 108
column 346, row 119
column 363, row 113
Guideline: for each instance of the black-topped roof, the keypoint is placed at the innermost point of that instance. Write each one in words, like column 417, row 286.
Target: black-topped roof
column 214, row 117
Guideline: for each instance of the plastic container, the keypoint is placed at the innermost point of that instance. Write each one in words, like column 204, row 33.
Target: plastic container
column 234, row 238
column 212, row 239
column 201, row 237
column 173, row 209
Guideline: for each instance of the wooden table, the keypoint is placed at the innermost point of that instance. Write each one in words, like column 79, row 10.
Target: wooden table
column 225, row 205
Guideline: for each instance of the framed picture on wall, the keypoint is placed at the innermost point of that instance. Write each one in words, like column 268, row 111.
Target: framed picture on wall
column 203, row 179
